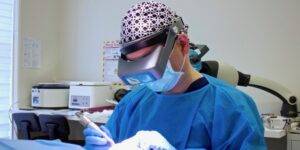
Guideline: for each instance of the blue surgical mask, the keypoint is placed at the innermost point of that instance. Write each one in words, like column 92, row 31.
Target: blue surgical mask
column 168, row 81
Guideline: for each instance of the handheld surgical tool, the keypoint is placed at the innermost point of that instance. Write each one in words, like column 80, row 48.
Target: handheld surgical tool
column 86, row 122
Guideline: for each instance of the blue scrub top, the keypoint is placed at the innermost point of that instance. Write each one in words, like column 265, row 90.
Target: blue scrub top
column 216, row 116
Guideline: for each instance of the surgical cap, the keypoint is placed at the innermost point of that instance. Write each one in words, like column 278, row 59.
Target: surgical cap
column 144, row 19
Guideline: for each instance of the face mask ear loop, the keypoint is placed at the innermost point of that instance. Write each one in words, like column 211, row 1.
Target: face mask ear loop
column 184, row 58
column 183, row 62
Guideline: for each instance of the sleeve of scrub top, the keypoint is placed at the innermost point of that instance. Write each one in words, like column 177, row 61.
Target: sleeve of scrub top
column 113, row 124
column 236, row 123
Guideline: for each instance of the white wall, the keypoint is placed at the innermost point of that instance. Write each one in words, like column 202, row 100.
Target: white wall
column 257, row 37
column 38, row 20
column 86, row 24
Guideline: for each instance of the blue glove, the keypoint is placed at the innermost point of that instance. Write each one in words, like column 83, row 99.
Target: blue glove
column 94, row 140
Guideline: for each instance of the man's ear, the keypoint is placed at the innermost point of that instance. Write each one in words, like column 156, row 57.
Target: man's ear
column 184, row 41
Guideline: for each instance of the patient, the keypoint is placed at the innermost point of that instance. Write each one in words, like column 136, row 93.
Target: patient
column 6, row 144
column 142, row 140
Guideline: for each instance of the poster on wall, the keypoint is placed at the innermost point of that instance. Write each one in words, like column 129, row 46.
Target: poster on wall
column 111, row 54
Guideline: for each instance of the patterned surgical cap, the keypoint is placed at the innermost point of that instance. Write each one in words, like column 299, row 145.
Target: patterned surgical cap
column 144, row 19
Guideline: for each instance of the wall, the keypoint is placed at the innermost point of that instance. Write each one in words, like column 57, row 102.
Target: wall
column 38, row 20
column 257, row 37
column 85, row 25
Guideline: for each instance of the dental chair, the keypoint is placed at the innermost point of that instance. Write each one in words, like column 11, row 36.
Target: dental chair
column 57, row 127
column 28, row 126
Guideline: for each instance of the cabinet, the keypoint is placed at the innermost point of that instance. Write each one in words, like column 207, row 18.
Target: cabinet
column 293, row 141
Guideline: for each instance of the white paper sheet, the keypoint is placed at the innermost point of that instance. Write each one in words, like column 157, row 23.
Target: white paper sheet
column 32, row 53
column 111, row 54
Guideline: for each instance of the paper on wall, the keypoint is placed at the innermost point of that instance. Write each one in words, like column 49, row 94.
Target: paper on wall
column 32, row 53
column 111, row 54
column 110, row 71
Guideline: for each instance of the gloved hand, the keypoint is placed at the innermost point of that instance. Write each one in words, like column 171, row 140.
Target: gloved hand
column 144, row 140
column 94, row 140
